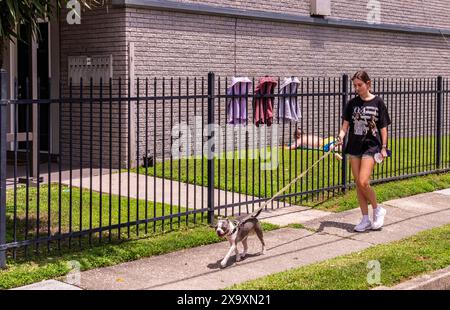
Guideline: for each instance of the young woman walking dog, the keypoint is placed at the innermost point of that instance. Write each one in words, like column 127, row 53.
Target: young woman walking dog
column 365, row 119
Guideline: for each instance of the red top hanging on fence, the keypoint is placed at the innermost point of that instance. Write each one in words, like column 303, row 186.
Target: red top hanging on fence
column 263, row 106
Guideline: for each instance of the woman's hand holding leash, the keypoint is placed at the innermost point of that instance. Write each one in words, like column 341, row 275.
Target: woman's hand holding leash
column 337, row 143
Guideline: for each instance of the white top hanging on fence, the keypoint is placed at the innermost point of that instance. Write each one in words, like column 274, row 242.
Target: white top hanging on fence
column 288, row 109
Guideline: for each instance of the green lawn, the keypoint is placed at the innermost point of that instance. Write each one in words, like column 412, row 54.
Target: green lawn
column 245, row 176
column 385, row 191
column 93, row 214
column 399, row 261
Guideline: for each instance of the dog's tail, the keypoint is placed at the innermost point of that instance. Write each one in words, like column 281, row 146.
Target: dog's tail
column 257, row 213
column 250, row 216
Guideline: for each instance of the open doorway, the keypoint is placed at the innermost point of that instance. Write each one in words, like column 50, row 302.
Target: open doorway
column 25, row 84
column 43, row 86
column 23, row 87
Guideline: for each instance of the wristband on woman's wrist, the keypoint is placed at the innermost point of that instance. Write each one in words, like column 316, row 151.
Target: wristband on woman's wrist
column 384, row 146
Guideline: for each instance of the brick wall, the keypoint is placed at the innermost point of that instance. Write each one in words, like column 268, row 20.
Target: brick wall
column 101, row 32
column 174, row 44
column 432, row 13
column 178, row 44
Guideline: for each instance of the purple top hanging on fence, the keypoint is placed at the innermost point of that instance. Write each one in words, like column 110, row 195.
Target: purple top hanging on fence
column 288, row 108
column 237, row 106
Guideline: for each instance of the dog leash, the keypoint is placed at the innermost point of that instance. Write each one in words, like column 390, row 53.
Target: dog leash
column 254, row 213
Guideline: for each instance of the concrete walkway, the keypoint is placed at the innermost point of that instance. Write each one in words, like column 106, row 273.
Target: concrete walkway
column 66, row 174
column 198, row 268
column 186, row 195
column 183, row 194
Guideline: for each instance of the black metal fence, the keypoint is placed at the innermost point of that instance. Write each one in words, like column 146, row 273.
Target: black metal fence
column 124, row 159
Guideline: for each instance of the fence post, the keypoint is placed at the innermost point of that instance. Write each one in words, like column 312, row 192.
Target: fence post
column 3, row 119
column 439, row 99
column 211, row 84
column 344, row 158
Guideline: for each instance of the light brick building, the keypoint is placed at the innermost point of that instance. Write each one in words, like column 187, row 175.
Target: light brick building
column 189, row 38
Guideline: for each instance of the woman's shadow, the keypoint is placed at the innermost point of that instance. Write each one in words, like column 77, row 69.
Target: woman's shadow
column 344, row 226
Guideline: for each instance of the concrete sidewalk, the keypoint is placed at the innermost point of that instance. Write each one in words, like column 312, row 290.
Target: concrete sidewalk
column 187, row 195
column 198, row 268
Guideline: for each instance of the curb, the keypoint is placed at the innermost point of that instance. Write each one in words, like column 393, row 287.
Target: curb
column 437, row 280
column 48, row 285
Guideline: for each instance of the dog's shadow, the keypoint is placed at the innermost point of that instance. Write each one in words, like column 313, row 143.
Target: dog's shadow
column 231, row 261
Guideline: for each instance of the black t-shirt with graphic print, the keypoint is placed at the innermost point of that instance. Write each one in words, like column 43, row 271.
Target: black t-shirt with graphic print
column 366, row 118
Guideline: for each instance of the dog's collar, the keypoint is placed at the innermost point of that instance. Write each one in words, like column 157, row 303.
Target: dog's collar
column 236, row 225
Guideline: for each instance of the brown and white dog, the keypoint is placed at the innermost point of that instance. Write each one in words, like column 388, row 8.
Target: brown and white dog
column 238, row 231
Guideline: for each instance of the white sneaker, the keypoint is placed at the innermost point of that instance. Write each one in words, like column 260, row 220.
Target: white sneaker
column 363, row 226
column 378, row 217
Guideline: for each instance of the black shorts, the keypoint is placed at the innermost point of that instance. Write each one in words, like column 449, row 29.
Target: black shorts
column 367, row 153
